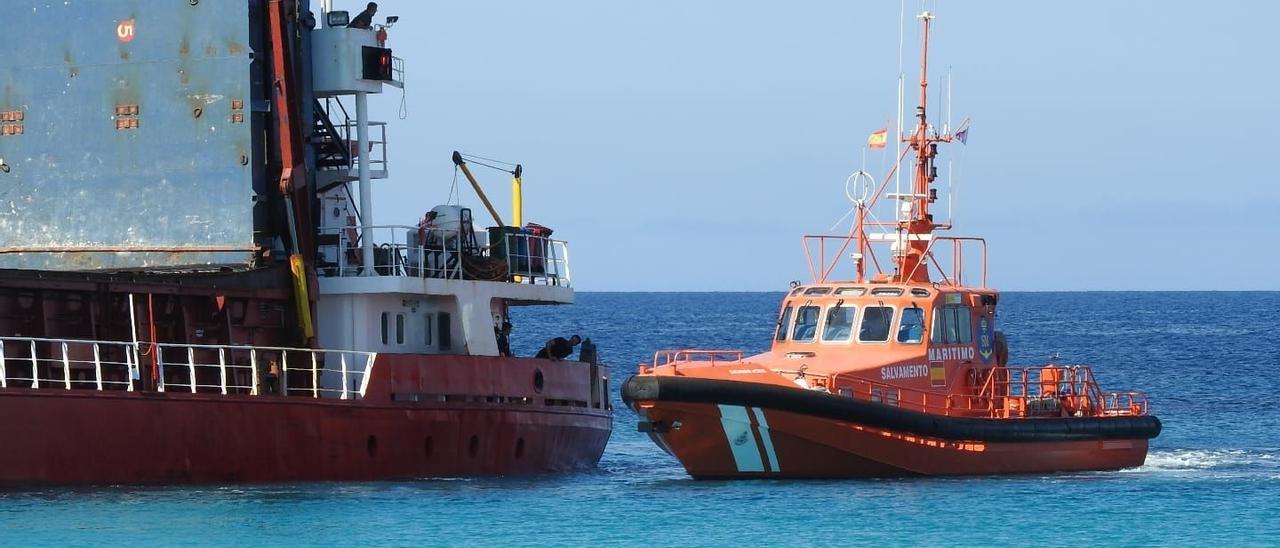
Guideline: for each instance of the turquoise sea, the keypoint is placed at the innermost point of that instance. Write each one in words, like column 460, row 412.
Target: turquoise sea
column 1209, row 361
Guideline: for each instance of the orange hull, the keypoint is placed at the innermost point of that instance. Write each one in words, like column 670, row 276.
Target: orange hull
column 724, row 441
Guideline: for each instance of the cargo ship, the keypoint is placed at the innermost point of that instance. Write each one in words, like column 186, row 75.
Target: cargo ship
column 193, row 287
column 896, row 368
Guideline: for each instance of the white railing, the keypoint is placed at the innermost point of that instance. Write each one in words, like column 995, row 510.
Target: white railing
column 28, row 362
column 442, row 252
column 377, row 144
column 341, row 374
column 67, row 364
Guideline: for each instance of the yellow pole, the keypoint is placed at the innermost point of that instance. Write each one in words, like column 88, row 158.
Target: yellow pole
column 517, row 205
column 457, row 160
column 517, row 198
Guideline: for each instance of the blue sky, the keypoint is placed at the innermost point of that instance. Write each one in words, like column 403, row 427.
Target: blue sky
column 689, row 145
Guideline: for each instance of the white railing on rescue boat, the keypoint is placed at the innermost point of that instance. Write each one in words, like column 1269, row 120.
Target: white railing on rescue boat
column 39, row 363
column 446, row 253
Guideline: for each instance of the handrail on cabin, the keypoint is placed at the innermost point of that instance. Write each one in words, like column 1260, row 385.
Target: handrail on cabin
column 820, row 269
column 674, row 358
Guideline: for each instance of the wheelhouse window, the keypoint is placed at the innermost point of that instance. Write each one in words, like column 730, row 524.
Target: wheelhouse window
column 876, row 323
column 911, row 326
column 806, row 324
column 839, row 325
column 964, row 327
column 952, row 324
column 887, row 291
column 784, row 322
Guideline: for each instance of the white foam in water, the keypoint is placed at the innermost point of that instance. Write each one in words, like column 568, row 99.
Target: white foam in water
column 1193, row 460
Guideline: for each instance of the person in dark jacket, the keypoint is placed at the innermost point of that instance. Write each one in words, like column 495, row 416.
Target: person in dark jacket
column 558, row 348
column 365, row 19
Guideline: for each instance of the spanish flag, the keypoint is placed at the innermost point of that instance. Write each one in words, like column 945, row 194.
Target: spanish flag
column 878, row 139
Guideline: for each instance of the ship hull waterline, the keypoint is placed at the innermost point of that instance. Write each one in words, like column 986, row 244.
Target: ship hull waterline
column 486, row 418
column 733, row 439
column 94, row 438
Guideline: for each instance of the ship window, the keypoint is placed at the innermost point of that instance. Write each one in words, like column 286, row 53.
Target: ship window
column 935, row 330
column 964, row 316
column 952, row 325
column 385, row 319
column 426, row 329
column 889, row 291
column 442, row 331
column 806, row 324
column 784, row 322
column 911, row 328
column 876, row 321
column 839, row 326
column 917, row 292
column 854, row 291
column 817, row 291
column 399, row 328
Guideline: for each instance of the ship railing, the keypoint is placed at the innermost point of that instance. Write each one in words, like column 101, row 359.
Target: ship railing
column 347, row 136
column 377, row 144
column 690, row 357
column 824, row 252
column 255, row 370
column 32, row 362
column 446, row 253
column 924, row 401
column 42, row 363
column 1055, row 390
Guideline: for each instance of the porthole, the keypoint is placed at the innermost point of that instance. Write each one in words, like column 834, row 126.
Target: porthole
column 538, row 380
column 473, row 447
column 372, row 446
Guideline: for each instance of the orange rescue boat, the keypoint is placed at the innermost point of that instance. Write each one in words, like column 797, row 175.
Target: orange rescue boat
column 890, row 373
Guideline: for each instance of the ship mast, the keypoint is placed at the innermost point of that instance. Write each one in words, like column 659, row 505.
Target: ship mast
column 916, row 228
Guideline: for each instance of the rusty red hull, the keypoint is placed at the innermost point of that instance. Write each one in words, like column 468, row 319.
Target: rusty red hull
column 728, row 441
column 490, row 425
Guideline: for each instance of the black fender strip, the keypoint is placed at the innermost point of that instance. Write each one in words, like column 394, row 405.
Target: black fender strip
column 828, row 406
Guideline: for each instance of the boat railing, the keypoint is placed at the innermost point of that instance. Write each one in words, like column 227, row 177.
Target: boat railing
column 676, row 358
column 1056, row 390
column 32, row 362
column 334, row 374
column 924, row 401
column 445, row 253
column 41, row 363
column 825, row 251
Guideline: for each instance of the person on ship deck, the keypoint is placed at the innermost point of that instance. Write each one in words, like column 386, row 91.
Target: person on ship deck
column 558, row 348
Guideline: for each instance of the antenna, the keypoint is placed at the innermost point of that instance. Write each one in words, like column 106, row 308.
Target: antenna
column 897, row 176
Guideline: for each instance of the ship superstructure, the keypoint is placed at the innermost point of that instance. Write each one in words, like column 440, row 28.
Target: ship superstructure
column 194, row 287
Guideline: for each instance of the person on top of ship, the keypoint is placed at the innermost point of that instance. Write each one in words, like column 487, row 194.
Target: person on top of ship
column 365, row 19
column 558, row 348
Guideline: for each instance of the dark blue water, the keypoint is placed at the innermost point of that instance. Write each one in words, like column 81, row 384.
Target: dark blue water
column 1209, row 361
